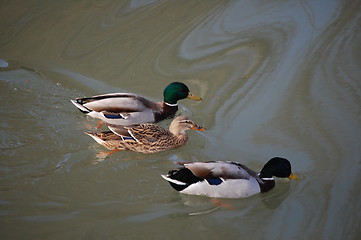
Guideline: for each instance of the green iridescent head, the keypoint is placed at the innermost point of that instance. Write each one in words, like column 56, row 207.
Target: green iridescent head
column 177, row 91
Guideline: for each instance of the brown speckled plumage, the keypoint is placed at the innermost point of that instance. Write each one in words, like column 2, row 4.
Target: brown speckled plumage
column 147, row 138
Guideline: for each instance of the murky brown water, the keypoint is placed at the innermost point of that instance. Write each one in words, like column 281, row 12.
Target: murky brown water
column 278, row 78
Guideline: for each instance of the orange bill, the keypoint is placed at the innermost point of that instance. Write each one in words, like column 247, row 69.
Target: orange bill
column 198, row 128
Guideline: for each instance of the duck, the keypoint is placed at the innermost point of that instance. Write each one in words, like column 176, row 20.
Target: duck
column 226, row 179
column 146, row 137
column 127, row 108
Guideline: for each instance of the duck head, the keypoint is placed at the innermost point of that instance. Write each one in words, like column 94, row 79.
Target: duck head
column 277, row 167
column 182, row 123
column 177, row 91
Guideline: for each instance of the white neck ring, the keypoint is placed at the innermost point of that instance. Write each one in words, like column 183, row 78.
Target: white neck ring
column 267, row 179
column 171, row 105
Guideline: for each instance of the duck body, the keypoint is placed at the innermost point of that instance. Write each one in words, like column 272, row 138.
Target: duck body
column 147, row 137
column 227, row 179
column 123, row 109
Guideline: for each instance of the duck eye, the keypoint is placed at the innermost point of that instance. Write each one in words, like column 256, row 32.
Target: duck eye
column 186, row 121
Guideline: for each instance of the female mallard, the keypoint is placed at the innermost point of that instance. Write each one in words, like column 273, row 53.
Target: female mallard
column 127, row 108
column 227, row 179
column 146, row 138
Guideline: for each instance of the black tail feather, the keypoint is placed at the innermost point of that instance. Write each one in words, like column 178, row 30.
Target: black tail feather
column 182, row 175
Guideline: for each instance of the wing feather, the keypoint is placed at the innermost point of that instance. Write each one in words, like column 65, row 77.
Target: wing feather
column 219, row 169
column 148, row 132
column 117, row 103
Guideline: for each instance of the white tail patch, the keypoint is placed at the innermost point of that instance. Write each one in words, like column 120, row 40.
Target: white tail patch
column 81, row 107
column 96, row 138
column 173, row 180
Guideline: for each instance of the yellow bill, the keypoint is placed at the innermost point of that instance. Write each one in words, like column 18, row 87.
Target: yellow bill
column 194, row 97
column 293, row 176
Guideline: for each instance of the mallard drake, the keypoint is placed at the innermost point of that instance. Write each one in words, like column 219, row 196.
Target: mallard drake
column 147, row 137
column 127, row 108
column 227, row 179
